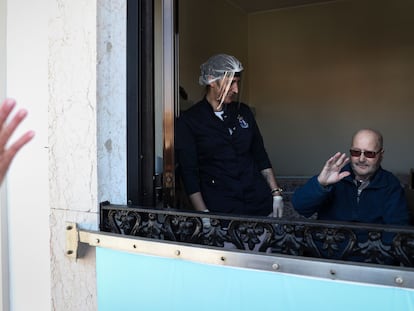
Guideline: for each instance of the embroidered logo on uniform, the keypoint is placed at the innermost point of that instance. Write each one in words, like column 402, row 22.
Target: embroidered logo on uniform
column 243, row 124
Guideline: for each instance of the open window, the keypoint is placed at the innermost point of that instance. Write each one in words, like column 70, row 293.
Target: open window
column 310, row 70
column 314, row 74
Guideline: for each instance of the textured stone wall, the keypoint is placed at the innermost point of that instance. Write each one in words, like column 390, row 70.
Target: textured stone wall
column 86, row 134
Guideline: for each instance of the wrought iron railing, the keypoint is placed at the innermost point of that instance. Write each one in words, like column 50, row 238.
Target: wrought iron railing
column 378, row 244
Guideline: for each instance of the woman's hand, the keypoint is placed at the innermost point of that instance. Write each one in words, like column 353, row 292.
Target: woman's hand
column 7, row 153
column 278, row 206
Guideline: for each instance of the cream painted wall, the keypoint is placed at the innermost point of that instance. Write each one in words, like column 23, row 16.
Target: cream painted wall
column 207, row 28
column 318, row 73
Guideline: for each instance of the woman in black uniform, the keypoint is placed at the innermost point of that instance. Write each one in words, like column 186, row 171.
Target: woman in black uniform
column 222, row 159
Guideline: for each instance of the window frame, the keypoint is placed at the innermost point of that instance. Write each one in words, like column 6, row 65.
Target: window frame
column 140, row 103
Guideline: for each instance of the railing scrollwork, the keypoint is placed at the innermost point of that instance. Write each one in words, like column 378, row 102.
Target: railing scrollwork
column 385, row 245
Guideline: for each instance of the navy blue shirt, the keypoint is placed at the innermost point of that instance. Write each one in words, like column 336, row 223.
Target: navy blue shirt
column 222, row 159
column 382, row 201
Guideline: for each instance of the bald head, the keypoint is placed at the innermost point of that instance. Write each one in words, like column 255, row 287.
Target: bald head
column 373, row 136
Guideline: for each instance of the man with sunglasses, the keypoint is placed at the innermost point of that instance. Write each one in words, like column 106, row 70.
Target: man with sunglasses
column 359, row 191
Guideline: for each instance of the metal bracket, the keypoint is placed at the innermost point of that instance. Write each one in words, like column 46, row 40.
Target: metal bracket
column 72, row 240
column 75, row 236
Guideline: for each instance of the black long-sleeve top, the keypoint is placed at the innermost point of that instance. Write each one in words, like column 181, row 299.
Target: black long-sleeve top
column 222, row 159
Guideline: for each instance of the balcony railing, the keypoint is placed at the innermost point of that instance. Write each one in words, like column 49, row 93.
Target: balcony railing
column 375, row 244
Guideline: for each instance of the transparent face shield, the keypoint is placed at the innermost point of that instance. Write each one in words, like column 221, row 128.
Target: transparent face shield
column 229, row 84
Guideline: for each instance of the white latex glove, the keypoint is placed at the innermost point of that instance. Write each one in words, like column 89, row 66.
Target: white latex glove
column 277, row 206
column 206, row 221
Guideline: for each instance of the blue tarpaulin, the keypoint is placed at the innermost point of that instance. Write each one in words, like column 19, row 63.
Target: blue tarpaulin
column 127, row 281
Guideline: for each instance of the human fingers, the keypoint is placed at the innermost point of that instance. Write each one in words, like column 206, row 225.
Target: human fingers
column 5, row 109
column 341, row 161
column 344, row 174
column 8, row 130
column 278, row 206
column 7, row 156
column 18, row 144
column 206, row 223
column 337, row 161
column 333, row 158
column 332, row 167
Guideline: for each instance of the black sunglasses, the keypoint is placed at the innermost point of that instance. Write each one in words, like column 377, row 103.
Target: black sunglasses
column 367, row 154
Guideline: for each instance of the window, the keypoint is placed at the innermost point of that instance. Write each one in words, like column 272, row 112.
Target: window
column 315, row 64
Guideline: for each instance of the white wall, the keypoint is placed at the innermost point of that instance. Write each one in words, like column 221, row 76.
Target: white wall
column 28, row 201
column 111, row 100
column 72, row 146
column 87, row 134
column 4, row 253
column 3, row 23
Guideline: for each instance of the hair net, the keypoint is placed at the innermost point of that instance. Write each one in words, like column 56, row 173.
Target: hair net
column 218, row 66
